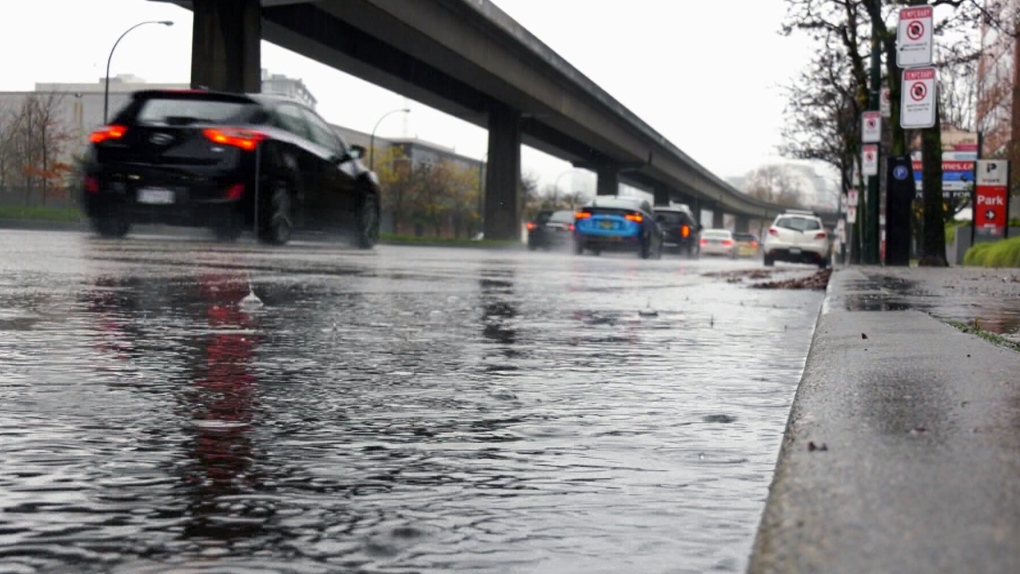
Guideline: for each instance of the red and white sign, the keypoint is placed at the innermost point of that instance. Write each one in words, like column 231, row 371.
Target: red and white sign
column 917, row 104
column 884, row 103
column 869, row 160
column 914, row 37
column 991, row 197
column 851, row 214
column 871, row 127
column 852, row 197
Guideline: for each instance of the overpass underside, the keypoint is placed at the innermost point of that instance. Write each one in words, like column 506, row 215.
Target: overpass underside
column 472, row 74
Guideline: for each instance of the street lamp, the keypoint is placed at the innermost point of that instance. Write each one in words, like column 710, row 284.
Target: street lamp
column 371, row 139
column 106, row 88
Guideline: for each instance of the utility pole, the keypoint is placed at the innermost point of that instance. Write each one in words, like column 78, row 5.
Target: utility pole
column 870, row 219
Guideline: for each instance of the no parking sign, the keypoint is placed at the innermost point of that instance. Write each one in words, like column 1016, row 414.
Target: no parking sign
column 917, row 104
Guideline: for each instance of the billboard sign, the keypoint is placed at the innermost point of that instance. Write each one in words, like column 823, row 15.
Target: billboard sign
column 914, row 37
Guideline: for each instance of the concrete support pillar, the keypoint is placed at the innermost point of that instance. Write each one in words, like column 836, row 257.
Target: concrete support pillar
column 608, row 182
column 742, row 224
column 717, row 217
column 662, row 196
column 502, row 219
column 225, row 50
column 695, row 206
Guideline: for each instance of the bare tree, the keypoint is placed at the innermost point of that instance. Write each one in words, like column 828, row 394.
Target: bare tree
column 33, row 140
column 777, row 184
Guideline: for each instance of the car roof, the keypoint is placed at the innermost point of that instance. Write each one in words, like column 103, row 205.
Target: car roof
column 673, row 208
column 262, row 99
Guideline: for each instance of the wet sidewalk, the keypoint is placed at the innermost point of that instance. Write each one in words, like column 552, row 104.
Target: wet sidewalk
column 902, row 451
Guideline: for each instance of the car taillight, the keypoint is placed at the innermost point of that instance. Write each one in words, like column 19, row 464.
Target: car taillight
column 104, row 133
column 727, row 242
column 773, row 231
column 820, row 235
column 703, row 242
column 235, row 191
column 247, row 140
column 635, row 217
column 754, row 244
column 571, row 226
column 530, row 226
column 91, row 184
column 582, row 215
column 685, row 231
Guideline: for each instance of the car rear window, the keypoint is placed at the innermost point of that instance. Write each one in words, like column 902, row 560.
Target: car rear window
column 799, row 223
column 185, row 111
column 562, row 217
column 716, row 234
column 744, row 237
column 673, row 217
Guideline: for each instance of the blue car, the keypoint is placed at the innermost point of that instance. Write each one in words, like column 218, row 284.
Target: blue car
column 618, row 223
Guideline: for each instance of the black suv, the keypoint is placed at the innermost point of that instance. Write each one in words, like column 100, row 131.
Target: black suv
column 230, row 162
column 680, row 228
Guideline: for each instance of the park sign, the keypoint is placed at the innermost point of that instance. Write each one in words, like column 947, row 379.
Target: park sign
column 991, row 199
column 917, row 101
column 871, row 127
column 914, row 37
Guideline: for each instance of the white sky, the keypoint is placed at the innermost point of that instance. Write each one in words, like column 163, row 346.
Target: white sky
column 704, row 73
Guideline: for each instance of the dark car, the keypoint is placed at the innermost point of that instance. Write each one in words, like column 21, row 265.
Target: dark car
column 617, row 223
column 679, row 228
column 230, row 162
column 551, row 229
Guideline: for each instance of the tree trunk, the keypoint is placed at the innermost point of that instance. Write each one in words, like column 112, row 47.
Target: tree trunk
column 933, row 235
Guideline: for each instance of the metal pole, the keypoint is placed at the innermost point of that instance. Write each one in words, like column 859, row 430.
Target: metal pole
column 371, row 138
column 106, row 83
column 871, row 238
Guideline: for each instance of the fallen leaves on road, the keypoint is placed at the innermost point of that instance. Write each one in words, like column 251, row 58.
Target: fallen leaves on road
column 819, row 280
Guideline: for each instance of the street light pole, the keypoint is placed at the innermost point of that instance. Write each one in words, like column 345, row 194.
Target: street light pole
column 106, row 87
column 371, row 139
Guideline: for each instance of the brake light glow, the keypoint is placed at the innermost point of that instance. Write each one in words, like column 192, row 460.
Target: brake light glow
column 91, row 184
column 820, row 235
column 530, row 226
column 247, row 140
column 235, row 191
column 703, row 242
column 635, row 217
column 754, row 244
column 582, row 215
column 571, row 226
column 104, row 133
column 727, row 242
column 685, row 231
column 773, row 231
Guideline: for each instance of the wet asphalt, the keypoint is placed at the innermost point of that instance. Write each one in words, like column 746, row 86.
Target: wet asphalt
column 903, row 447
column 168, row 403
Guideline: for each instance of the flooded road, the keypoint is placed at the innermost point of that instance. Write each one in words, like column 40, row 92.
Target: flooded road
column 409, row 409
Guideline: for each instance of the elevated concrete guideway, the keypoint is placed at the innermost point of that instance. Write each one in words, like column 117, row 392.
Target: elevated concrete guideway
column 469, row 59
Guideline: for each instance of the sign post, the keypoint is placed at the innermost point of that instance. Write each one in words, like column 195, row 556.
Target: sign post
column 917, row 101
column 869, row 160
column 914, row 37
column 991, row 199
column 871, row 127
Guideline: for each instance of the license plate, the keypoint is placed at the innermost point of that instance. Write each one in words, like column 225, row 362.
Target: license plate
column 607, row 225
column 795, row 251
column 155, row 196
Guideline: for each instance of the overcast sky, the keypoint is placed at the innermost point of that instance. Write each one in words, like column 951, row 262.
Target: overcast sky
column 704, row 73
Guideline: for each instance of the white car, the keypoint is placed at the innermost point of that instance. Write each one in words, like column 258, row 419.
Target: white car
column 717, row 242
column 798, row 237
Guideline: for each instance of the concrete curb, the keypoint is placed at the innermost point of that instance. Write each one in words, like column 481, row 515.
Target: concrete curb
column 902, row 450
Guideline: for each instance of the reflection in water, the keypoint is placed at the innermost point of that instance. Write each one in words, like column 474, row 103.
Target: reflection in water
column 498, row 308
column 222, row 403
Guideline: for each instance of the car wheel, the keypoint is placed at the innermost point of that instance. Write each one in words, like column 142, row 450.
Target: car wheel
column 368, row 222
column 110, row 226
column 532, row 246
column 227, row 233
column 277, row 220
column 578, row 247
column 769, row 262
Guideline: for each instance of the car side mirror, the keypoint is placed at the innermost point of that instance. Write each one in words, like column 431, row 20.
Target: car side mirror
column 356, row 152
